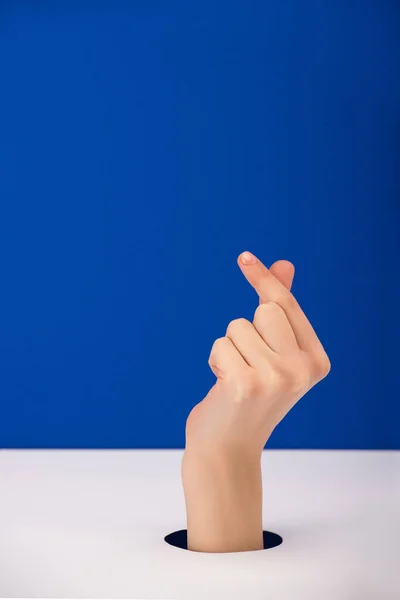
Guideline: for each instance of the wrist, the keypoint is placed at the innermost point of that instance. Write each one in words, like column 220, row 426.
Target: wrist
column 221, row 459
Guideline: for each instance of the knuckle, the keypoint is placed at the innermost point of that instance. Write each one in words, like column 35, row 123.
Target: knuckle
column 321, row 365
column 266, row 308
column 281, row 381
column 285, row 381
column 248, row 385
column 218, row 344
column 294, row 379
column 235, row 325
column 300, row 381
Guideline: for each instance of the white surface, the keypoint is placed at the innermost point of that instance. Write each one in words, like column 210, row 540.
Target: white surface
column 91, row 524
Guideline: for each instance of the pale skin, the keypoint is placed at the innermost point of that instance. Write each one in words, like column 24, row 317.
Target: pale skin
column 262, row 368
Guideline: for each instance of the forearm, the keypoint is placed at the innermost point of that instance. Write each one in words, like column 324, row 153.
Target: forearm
column 223, row 498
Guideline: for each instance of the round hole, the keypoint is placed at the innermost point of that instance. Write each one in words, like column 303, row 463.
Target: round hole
column 179, row 539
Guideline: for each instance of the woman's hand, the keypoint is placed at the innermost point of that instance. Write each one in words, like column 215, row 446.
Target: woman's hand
column 262, row 370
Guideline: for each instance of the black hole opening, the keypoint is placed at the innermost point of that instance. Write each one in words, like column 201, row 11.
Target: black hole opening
column 179, row 539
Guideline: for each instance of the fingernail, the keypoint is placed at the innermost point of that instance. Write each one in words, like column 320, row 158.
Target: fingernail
column 247, row 258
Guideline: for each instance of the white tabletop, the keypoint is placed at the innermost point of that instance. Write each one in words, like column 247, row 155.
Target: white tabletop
column 91, row 524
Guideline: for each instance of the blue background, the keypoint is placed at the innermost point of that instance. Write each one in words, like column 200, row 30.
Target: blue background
column 143, row 146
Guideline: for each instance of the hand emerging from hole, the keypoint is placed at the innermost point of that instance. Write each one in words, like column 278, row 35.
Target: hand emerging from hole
column 263, row 368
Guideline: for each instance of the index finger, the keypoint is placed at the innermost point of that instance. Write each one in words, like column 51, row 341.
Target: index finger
column 269, row 288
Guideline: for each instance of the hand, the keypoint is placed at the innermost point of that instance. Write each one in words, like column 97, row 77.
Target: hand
column 263, row 368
